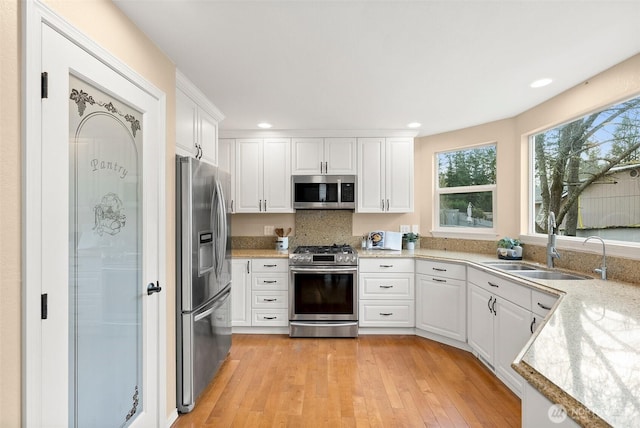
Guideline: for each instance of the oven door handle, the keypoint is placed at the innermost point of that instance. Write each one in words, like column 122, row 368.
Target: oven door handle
column 324, row 269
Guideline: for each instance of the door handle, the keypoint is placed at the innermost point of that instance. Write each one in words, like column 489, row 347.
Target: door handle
column 153, row 288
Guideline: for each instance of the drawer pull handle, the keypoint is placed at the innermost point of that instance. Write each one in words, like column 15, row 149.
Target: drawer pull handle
column 269, row 282
column 439, row 269
column 546, row 308
column 438, row 280
column 270, row 318
column 270, row 266
column 386, row 266
column 492, row 284
column 386, row 314
column 386, row 286
column 269, row 300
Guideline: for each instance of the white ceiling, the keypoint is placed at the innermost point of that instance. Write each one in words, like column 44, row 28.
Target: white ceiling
column 378, row 65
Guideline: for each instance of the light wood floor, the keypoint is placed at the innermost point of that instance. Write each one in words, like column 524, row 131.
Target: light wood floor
column 371, row 381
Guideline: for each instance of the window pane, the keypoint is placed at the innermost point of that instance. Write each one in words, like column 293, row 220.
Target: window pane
column 588, row 173
column 466, row 210
column 469, row 167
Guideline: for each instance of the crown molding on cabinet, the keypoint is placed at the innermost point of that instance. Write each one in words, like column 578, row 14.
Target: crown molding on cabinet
column 304, row 133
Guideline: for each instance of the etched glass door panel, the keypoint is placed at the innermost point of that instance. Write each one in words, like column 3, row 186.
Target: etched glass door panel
column 105, row 258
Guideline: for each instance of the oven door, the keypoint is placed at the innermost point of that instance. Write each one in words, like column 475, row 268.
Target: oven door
column 327, row 293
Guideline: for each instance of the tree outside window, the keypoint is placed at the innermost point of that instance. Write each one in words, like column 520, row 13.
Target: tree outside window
column 466, row 186
column 588, row 173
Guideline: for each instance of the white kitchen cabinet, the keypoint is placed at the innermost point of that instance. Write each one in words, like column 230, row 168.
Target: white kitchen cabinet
column 196, row 122
column 441, row 299
column 269, row 292
column 385, row 175
column 335, row 156
column 262, row 176
column 227, row 162
column 240, row 292
column 386, row 291
column 498, row 323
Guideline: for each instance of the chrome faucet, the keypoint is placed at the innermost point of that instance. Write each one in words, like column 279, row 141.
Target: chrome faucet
column 552, row 252
column 602, row 270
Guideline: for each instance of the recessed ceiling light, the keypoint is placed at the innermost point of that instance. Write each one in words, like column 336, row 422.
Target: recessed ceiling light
column 264, row 125
column 540, row 83
column 414, row 125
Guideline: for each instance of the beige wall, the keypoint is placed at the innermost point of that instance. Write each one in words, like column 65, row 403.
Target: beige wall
column 104, row 23
column 10, row 214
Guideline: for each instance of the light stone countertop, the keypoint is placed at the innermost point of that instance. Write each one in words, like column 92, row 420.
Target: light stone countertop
column 586, row 356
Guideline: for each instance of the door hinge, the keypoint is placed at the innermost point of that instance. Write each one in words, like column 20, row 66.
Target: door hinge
column 44, row 85
column 44, row 306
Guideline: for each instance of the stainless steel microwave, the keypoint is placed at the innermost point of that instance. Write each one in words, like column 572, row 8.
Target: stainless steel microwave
column 324, row 192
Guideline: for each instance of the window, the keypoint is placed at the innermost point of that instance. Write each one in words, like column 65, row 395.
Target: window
column 587, row 172
column 465, row 188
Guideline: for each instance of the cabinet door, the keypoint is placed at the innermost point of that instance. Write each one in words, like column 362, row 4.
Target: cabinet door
column 277, row 175
column 512, row 330
column 186, row 114
column 208, row 139
column 249, row 197
column 442, row 306
column 399, row 175
column 240, row 292
column 227, row 162
column 340, row 155
column 307, row 156
column 480, row 323
column 371, row 178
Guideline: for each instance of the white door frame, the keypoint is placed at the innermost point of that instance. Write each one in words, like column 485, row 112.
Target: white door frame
column 34, row 14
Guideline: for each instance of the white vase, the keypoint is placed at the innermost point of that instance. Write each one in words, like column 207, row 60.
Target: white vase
column 411, row 245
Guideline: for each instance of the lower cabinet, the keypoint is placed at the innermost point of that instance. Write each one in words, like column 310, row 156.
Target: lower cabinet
column 386, row 292
column 241, row 293
column 260, row 293
column 441, row 297
column 498, row 328
column 539, row 412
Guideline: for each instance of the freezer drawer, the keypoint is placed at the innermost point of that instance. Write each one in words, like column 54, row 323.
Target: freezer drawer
column 202, row 348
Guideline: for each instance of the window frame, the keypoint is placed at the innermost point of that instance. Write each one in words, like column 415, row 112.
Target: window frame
column 573, row 243
column 477, row 232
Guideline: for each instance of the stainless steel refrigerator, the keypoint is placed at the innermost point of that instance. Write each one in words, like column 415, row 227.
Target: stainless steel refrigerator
column 203, row 276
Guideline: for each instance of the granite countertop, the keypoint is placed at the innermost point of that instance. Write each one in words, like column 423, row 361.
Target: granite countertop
column 586, row 355
column 259, row 254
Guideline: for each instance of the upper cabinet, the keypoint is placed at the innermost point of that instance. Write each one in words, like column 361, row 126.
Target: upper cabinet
column 227, row 162
column 334, row 156
column 196, row 122
column 385, row 175
column 262, row 175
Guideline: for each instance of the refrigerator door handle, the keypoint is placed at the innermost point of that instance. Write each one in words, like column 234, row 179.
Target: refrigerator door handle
column 220, row 210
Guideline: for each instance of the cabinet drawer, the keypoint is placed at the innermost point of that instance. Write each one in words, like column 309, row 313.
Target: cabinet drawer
column 541, row 303
column 270, row 318
column 269, row 299
column 511, row 291
column 386, row 286
column 375, row 265
column 273, row 281
column 441, row 269
column 400, row 313
column 270, row 265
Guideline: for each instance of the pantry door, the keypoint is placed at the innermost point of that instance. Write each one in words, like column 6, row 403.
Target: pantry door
column 101, row 265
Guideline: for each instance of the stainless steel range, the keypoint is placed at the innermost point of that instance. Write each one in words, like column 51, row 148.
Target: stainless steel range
column 323, row 291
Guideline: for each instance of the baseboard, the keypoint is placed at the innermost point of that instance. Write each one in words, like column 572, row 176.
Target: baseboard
column 387, row 330
column 173, row 416
column 442, row 339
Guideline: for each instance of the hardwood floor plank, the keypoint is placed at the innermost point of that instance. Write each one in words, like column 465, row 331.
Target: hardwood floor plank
column 370, row 381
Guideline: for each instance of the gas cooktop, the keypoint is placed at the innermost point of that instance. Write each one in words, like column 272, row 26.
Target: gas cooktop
column 336, row 254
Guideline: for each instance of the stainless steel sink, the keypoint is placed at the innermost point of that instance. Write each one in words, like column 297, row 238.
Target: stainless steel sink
column 526, row 270
column 511, row 266
column 549, row 274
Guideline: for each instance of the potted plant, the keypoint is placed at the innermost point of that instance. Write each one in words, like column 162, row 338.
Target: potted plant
column 411, row 239
column 510, row 248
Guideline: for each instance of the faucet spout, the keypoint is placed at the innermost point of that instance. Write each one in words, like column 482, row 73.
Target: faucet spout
column 552, row 252
column 602, row 270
